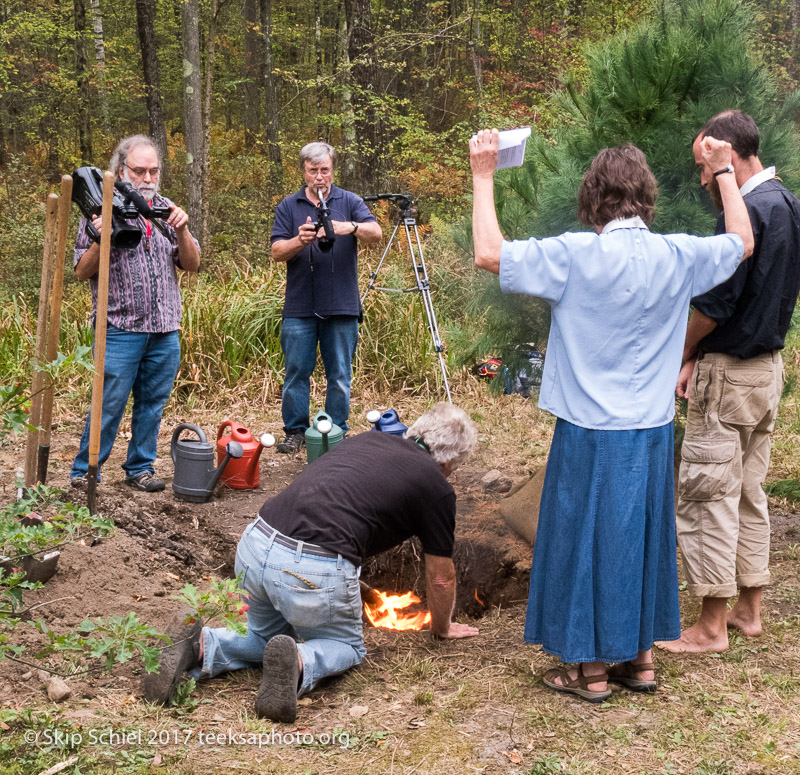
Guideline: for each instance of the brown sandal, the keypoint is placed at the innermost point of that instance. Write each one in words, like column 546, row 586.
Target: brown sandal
column 626, row 673
column 578, row 686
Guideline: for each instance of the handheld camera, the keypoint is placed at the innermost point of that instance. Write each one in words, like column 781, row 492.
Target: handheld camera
column 324, row 222
column 87, row 193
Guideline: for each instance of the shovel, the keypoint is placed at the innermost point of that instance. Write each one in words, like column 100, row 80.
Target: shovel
column 96, row 414
column 37, row 381
column 54, row 324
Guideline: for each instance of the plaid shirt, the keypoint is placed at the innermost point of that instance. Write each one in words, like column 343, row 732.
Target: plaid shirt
column 143, row 293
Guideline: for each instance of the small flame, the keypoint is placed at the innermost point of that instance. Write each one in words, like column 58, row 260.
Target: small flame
column 386, row 612
column 478, row 599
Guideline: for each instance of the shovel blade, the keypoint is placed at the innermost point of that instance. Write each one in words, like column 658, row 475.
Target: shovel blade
column 91, row 489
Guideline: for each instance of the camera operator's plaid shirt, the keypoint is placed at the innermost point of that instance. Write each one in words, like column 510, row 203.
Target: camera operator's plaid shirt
column 143, row 293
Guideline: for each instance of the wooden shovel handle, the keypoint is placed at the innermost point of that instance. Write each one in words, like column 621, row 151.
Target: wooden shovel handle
column 54, row 324
column 101, row 314
column 37, row 380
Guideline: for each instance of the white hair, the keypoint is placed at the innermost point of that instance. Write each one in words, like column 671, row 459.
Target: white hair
column 447, row 432
column 316, row 153
column 123, row 150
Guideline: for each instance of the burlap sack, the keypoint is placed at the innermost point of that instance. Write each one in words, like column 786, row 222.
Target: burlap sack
column 520, row 508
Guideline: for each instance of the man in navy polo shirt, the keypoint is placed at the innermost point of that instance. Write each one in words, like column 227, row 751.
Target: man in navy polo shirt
column 322, row 304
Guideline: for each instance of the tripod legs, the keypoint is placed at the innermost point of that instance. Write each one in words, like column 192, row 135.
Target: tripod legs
column 422, row 286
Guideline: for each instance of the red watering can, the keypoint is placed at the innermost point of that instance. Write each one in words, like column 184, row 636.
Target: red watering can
column 241, row 474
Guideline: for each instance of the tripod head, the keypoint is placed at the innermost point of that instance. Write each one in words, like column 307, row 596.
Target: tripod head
column 403, row 201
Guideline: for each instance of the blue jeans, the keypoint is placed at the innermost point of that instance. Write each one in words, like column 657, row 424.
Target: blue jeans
column 327, row 618
column 337, row 337
column 142, row 364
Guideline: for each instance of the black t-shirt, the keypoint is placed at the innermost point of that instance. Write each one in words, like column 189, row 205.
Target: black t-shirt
column 368, row 494
column 321, row 283
column 753, row 308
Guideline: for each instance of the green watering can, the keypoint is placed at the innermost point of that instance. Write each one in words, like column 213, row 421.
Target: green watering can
column 322, row 436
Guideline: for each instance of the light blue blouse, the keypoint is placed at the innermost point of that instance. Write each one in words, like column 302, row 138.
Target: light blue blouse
column 619, row 305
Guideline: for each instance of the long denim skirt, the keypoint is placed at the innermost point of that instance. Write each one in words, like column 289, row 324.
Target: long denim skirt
column 604, row 580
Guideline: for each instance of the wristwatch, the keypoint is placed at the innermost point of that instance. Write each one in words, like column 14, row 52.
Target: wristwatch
column 729, row 168
column 355, row 228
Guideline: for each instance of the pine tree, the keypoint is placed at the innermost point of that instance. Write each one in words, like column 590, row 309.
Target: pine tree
column 654, row 85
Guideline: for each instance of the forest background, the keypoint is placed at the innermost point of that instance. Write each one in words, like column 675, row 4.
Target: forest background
column 230, row 91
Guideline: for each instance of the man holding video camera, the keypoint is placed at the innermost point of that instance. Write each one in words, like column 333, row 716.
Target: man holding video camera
column 316, row 232
column 144, row 311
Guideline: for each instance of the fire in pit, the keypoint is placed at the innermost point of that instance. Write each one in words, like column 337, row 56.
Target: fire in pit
column 388, row 611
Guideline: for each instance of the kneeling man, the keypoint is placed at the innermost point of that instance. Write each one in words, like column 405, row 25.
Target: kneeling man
column 300, row 562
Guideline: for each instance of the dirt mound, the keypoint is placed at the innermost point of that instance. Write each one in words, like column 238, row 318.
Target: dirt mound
column 161, row 543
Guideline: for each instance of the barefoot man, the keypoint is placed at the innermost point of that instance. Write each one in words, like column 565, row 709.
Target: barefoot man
column 733, row 377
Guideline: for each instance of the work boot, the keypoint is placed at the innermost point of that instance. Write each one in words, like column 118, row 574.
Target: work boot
column 79, row 482
column 145, row 482
column 176, row 659
column 277, row 697
column 292, row 443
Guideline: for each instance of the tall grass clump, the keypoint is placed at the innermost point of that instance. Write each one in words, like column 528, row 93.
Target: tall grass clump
column 396, row 347
column 17, row 329
column 230, row 331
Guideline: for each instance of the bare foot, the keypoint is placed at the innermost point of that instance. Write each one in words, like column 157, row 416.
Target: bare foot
column 744, row 622
column 695, row 640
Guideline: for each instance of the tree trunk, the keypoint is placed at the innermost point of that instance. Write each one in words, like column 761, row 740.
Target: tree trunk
column 475, row 53
column 795, row 22
column 250, row 87
column 192, row 109
column 318, row 74
column 347, row 151
column 209, row 84
column 82, row 80
column 100, row 60
column 370, row 162
column 145, row 15
column 272, row 123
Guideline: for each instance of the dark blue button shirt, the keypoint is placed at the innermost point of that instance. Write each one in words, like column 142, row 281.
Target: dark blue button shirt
column 321, row 283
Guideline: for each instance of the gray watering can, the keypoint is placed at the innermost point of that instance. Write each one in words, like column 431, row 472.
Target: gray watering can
column 195, row 475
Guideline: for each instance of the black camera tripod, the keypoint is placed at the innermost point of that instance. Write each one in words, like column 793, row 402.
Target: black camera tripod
column 405, row 218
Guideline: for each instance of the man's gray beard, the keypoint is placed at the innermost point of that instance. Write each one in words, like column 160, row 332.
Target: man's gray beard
column 147, row 190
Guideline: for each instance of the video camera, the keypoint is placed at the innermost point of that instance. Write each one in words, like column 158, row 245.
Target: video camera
column 324, row 222
column 128, row 204
column 404, row 201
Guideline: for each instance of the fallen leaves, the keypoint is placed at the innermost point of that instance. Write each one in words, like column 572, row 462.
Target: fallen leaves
column 357, row 711
column 513, row 756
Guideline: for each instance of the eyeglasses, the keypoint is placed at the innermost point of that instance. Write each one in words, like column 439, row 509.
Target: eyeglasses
column 140, row 172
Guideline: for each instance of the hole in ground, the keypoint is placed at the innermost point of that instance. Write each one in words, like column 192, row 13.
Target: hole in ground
column 486, row 575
